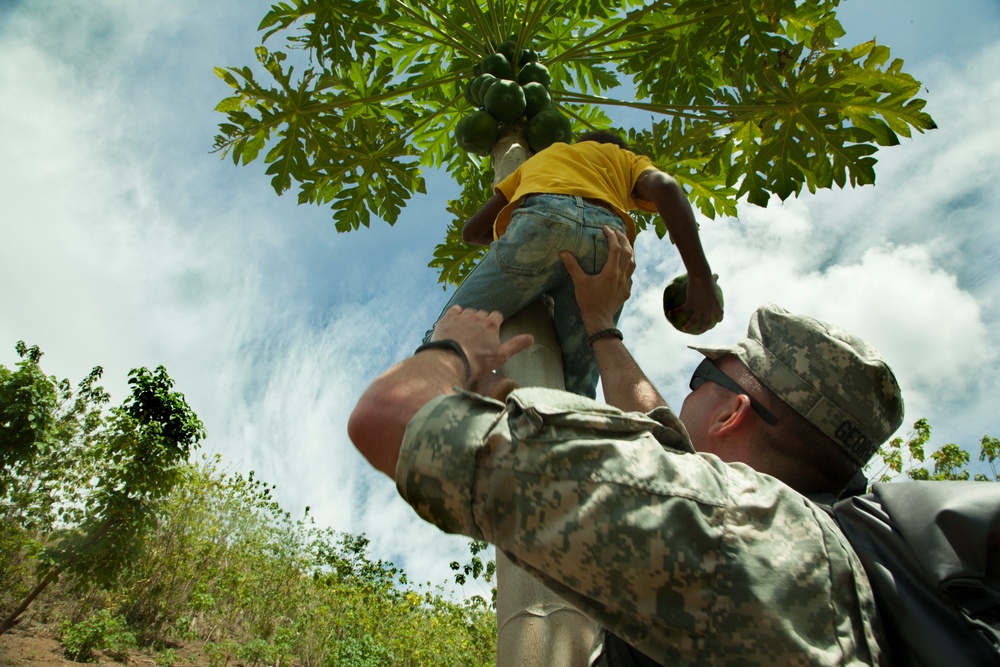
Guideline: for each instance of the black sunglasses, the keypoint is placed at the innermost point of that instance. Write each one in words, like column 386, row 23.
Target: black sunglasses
column 707, row 371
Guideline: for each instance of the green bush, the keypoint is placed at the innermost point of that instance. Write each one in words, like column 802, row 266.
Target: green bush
column 16, row 565
column 165, row 658
column 365, row 651
column 219, row 653
column 257, row 652
column 100, row 632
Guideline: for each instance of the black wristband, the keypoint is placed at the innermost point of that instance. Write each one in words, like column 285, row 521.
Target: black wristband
column 452, row 345
column 604, row 333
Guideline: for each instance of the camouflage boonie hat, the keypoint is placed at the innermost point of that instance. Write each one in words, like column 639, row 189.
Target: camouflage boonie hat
column 835, row 380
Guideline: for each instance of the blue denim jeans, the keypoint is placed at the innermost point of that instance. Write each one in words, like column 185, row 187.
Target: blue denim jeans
column 524, row 264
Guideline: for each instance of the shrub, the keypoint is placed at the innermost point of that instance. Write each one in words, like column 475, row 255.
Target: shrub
column 220, row 653
column 100, row 632
column 165, row 658
column 365, row 651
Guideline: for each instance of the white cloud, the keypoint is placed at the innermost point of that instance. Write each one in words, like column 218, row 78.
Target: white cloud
column 897, row 298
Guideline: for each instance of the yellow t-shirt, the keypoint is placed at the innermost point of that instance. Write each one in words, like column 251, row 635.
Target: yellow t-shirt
column 586, row 169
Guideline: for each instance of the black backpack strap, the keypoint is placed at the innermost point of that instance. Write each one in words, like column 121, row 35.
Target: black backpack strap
column 619, row 653
column 921, row 544
column 979, row 604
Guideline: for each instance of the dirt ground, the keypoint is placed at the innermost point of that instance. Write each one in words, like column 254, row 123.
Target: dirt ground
column 20, row 648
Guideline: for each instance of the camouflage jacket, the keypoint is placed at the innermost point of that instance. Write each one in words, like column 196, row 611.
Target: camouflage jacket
column 691, row 560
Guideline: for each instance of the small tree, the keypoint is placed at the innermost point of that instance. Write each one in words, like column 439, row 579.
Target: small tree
column 86, row 478
column 908, row 458
column 45, row 430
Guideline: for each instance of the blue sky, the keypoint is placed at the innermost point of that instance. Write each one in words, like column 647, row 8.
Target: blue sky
column 124, row 242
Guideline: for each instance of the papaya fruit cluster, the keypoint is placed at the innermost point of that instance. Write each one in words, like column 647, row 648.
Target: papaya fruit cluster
column 509, row 88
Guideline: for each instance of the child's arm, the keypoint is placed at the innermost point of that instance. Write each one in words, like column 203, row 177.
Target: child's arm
column 479, row 228
column 673, row 206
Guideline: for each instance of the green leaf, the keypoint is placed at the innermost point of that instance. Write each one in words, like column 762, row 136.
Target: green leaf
column 229, row 104
column 455, row 258
column 226, row 76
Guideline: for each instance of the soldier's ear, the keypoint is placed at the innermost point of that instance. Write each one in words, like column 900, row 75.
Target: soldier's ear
column 732, row 414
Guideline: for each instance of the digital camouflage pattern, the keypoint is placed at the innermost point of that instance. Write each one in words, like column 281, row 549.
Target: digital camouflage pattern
column 834, row 379
column 690, row 560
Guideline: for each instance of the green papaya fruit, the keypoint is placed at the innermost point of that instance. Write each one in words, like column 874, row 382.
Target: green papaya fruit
column 497, row 65
column 527, row 56
column 536, row 99
column 505, row 100
column 477, row 88
column 546, row 128
column 507, row 48
column 536, row 72
column 477, row 133
column 675, row 295
column 467, row 90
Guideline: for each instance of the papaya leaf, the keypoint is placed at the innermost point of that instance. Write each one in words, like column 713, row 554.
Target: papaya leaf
column 455, row 258
column 757, row 97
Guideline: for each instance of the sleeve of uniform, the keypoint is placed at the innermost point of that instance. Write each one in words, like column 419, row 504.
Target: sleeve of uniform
column 437, row 460
column 571, row 489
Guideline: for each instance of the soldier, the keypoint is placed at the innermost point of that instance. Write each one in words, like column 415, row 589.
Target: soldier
column 689, row 538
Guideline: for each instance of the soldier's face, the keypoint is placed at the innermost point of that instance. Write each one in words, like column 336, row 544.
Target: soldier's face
column 711, row 402
column 698, row 410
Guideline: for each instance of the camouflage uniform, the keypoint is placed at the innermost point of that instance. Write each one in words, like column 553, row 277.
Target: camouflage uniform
column 689, row 559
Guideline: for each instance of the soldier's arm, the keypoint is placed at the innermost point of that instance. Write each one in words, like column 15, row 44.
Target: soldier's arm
column 626, row 387
column 378, row 422
column 600, row 296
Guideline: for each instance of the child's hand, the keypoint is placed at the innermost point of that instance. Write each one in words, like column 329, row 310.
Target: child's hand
column 703, row 303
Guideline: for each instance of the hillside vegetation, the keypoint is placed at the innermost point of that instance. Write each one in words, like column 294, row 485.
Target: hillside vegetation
column 118, row 541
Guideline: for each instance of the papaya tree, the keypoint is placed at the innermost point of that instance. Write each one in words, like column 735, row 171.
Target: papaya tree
column 745, row 99
column 82, row 478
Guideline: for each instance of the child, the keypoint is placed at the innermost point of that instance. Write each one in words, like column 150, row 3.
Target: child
column 560, row 199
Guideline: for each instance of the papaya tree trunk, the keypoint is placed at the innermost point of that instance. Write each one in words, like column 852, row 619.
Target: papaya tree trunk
column 535, row 627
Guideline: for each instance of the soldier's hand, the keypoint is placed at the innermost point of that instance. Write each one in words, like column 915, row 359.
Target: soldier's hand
column 478, row 332
column 602, row 295
column 492, row 384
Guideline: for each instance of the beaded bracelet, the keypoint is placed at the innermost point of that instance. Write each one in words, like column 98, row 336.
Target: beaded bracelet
column 448, row 344
column 604, row 333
